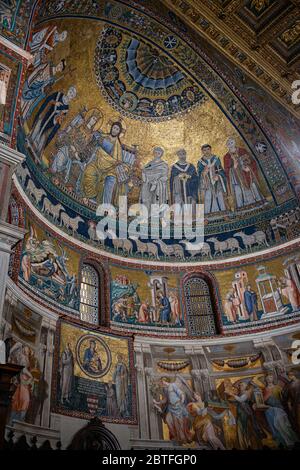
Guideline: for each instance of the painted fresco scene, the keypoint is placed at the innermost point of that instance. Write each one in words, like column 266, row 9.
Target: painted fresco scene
column 22, row 332
column 233, row 403
column 143, row 298
column 137, row 134
column 94, row 375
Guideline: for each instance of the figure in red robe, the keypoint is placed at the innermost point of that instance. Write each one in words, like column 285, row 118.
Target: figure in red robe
column 242, row 176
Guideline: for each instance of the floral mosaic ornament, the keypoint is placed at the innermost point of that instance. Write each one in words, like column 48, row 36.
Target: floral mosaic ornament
column 140, row 80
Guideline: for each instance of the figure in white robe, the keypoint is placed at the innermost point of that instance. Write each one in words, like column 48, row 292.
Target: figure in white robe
column 155, row 177
column 212, row 182
column 67, row 373
column 175, row 309
column 290, row 291
column 44, row 41
column 121, row 380
column 34, row 87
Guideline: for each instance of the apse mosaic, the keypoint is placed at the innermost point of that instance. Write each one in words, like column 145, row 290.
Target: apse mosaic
column 232, row 402
column 280, row 123
column 95, row 375
column 139, row 80
column 156, row 124
column 257, row 294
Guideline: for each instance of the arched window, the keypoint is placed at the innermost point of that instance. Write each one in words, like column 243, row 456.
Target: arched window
column 89, row 295
column 200, row 314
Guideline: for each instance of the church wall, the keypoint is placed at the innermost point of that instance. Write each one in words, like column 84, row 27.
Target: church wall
column 129, row 287
column 126, row 369
column 213, row 378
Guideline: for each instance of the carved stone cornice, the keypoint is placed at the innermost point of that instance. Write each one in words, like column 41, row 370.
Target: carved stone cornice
column 10, row 156
column 9, row 160
column 9, row 236
column 223, row 27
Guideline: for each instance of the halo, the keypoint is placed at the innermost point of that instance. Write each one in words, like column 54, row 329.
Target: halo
column 158, row 147
column 95, row 112
column 122, row 122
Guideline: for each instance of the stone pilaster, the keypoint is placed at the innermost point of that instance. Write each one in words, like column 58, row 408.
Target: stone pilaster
column 143, row 412
column 9, row 236
column 9, row 160
column 273, row 361
column 47, row 360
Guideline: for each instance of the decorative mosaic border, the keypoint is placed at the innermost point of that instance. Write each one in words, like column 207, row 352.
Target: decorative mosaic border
column 56, row 361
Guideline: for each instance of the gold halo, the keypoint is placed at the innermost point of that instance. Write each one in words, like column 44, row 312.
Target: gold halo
column 95, row 112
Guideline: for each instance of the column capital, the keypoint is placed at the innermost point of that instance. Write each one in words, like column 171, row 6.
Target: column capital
column 9, row 160
column 10, row 156
column 9, row 236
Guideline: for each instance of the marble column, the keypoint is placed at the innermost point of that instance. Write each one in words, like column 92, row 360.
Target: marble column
column 48, row 352
column 143, row 412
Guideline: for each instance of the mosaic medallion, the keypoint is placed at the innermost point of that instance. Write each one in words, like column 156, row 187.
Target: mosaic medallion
column 93, row 356
column 142, row 81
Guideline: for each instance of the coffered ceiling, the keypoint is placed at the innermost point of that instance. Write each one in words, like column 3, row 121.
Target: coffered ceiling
column 262, row 36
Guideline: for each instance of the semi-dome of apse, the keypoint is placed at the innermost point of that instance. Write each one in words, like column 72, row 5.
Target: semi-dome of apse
column 110, row 86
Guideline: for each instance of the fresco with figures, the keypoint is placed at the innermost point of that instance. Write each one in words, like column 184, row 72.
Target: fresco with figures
column 50, row 268
column 157, row 125
column 245, row 395
column 95, row 375
column 26, row 345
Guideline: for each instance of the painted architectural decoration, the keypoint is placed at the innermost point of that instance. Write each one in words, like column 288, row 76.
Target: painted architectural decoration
column 29, row 343
column 95, row 375
column 158, row 125
column 50, row 268
column 231, row 401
